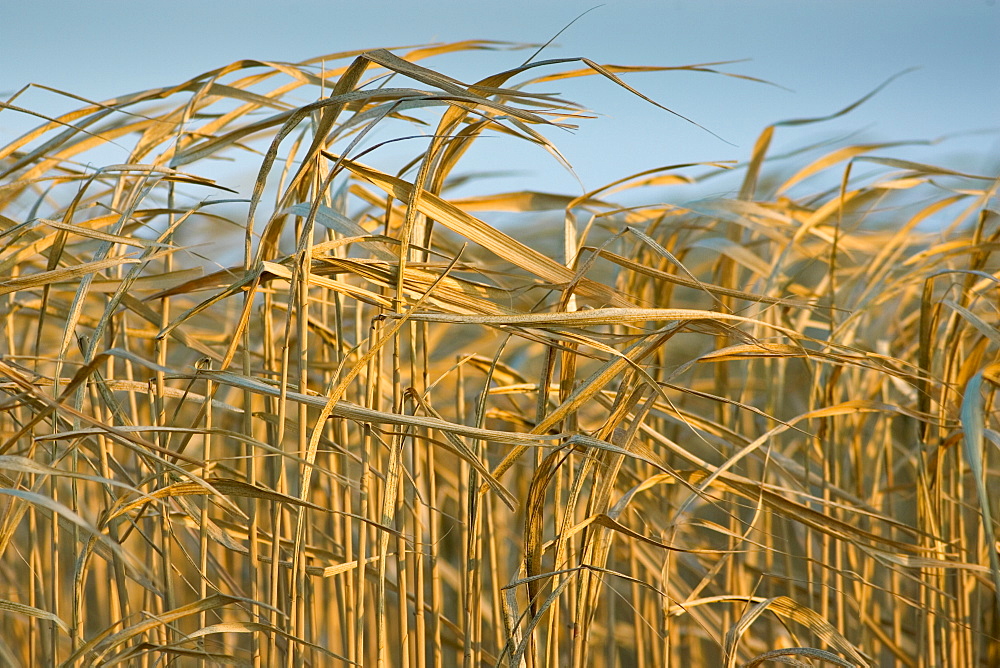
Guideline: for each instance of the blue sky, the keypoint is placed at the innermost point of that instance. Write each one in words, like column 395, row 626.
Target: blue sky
column 823, row 55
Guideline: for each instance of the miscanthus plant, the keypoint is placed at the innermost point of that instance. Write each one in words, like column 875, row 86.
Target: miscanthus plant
column 343, row 419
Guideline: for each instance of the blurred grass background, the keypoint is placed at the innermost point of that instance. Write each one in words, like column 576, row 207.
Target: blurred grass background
column 357, row 418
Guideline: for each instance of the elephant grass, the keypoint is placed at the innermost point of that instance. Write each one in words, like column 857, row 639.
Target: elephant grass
column 348, row 417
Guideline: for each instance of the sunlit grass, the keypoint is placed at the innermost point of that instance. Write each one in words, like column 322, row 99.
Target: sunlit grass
column 350, row 420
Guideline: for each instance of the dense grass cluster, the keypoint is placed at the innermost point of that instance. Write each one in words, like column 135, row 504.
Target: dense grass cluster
column 368, row 426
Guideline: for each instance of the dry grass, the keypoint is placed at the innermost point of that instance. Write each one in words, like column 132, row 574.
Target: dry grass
column 367, row 426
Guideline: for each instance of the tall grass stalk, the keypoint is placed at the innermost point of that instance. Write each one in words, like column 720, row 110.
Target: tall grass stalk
column 349, row 420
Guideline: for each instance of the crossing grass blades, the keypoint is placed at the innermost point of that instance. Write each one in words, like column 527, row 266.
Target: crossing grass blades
column 350, row 417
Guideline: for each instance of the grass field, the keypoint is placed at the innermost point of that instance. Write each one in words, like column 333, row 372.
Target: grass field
column 354, row 420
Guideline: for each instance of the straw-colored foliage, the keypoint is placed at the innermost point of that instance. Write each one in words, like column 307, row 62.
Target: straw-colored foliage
column 349, row 420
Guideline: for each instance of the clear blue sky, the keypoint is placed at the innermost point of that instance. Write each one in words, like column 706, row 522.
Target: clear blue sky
column 826, row 54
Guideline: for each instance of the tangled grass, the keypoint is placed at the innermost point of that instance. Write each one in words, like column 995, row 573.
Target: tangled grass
column 357, row 423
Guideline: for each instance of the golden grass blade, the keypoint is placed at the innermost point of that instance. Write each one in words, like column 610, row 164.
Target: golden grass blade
column 715, row 290
column 344, row 225
column 922, row 169
column 22, row 609
column 214, row 486
column 25, row 465
column 56, row 508
column 44, row 278
column 764, row 140
column 351, row 411
column 787, row 608
column 785, row 656
column 594, row 317
column 833, row 158
column 103, row 643
column 239, row 627
column 100, row 236
column 483, row 235
column 608, row 522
